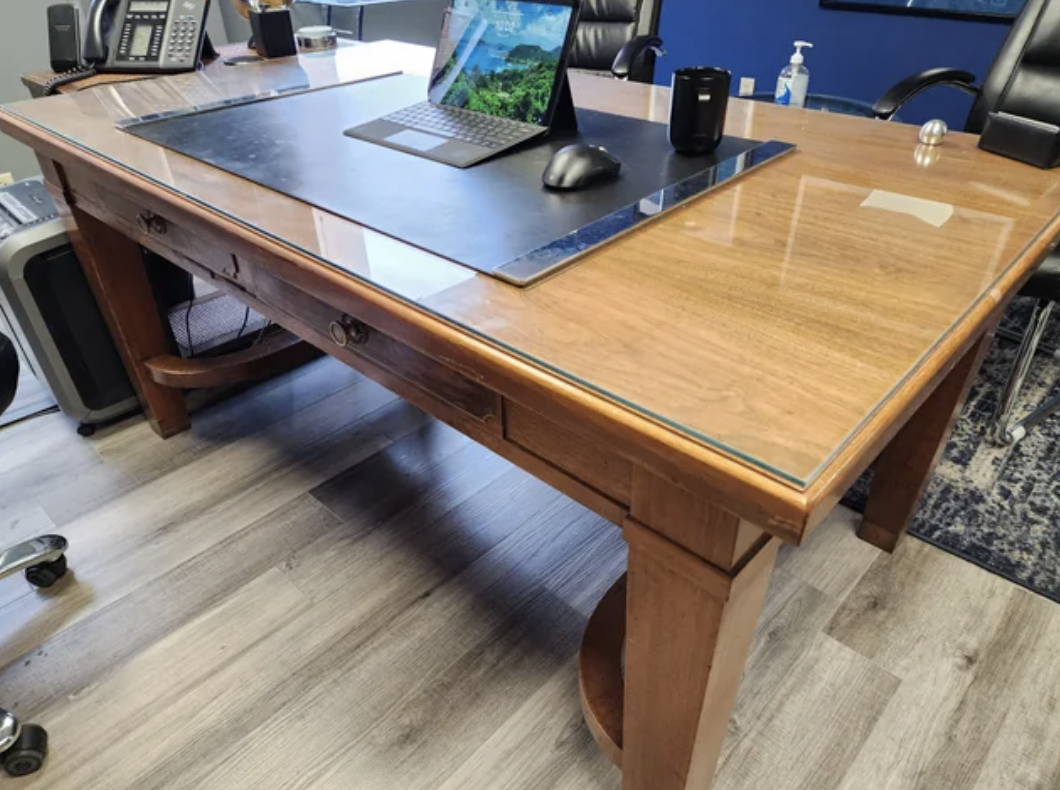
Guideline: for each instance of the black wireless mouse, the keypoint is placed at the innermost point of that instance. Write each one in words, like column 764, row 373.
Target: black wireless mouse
column 579, row 166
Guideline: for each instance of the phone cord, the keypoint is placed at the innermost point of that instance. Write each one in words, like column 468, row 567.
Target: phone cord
column 51, row 87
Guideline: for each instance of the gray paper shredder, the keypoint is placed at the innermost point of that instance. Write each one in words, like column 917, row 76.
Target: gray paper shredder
column 49, row 306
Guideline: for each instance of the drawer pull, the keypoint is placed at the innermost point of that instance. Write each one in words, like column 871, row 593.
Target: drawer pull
column 152, row 223
column 348, row 332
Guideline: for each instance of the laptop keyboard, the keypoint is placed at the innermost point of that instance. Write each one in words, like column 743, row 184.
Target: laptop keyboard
column 471, row 127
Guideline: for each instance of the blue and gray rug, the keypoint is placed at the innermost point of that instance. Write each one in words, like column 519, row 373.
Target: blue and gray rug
column 999, row 507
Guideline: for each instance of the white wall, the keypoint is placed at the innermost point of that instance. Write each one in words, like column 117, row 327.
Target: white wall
column 24, row 47
column 417, row 21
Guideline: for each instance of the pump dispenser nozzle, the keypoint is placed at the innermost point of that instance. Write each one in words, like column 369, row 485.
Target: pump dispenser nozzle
column 797, row 59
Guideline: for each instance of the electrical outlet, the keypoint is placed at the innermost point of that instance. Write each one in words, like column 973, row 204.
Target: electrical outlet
column 6, row 179
column 747, row 86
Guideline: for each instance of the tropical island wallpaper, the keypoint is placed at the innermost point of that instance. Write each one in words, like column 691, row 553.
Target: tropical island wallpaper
column 500, row 57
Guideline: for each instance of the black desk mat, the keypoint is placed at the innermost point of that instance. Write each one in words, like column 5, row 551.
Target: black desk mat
column 495, row 217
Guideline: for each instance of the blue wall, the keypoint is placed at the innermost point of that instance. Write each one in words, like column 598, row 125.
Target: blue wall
column 856, row 54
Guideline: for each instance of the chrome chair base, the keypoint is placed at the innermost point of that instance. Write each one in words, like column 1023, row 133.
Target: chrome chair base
column 1006, row 428
column 43, row 559
column 24, row 747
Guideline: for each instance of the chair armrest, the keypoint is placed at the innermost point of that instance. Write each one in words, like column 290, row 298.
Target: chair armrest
column 632, row 50
column 892, row 101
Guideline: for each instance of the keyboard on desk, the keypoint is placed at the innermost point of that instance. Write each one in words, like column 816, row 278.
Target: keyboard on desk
column 471, row 127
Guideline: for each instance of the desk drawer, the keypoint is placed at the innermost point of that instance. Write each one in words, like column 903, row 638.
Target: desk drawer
column 389, row 361
column 607, row 472
column 347, row 337
column 153, row 230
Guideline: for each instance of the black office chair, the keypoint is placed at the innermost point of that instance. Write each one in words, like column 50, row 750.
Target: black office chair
column 620, row 37
column 23, row 748
column 1024, row 80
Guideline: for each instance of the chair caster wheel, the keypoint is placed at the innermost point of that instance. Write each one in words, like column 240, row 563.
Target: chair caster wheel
column 27, row 754
column 1010, row 436
column 86, row 430
column 46, row 573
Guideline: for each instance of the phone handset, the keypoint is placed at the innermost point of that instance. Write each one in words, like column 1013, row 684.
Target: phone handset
column 93, row 53
column 95, row 49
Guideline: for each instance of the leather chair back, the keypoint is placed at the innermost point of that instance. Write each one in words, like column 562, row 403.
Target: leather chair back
column 8, row 372
column 606, row 26
column 1024, row 78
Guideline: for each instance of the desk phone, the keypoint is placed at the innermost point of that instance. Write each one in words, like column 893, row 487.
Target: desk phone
column 145, row 35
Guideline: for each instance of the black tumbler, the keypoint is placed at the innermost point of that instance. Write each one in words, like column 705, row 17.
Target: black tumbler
column 698, row 102
column 273, row 33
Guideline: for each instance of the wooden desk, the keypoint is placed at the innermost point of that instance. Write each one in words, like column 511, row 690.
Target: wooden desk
column 711, row 383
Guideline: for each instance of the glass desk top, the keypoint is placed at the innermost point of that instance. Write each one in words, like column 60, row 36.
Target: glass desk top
column 768, row 320
column 826, row 103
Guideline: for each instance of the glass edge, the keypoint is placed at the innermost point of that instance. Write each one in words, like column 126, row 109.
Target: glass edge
column 811, row 478
column 234, row 101
column 128, row 124
column 557, row 255
column 803, row 483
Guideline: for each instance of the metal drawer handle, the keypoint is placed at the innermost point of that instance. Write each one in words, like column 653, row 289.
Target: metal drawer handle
column 348, row 332
column 151, row 222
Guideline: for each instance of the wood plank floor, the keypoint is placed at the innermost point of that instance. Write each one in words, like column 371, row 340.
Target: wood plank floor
column 318, row 587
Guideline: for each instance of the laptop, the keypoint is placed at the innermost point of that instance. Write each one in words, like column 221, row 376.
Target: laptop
column 498, row 74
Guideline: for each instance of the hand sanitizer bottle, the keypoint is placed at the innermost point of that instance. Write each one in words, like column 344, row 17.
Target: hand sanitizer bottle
column 794, row 81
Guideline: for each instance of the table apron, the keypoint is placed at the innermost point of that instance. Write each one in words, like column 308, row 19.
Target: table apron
column 579, row 452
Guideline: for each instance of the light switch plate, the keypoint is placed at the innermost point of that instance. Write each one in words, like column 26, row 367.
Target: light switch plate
column 6, row 179
column 747, row 86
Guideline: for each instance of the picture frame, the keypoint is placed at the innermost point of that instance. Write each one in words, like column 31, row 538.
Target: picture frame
column 1000, row 11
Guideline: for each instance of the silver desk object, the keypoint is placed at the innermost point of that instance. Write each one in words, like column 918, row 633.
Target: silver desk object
column 933, row 132
column 317, row 38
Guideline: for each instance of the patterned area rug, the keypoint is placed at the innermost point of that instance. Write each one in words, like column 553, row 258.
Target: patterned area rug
column 996, row 506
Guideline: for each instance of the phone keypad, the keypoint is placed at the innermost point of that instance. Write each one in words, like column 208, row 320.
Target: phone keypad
column 184, row 39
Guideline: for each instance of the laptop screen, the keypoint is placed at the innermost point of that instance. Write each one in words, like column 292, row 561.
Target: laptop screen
column 501, row 57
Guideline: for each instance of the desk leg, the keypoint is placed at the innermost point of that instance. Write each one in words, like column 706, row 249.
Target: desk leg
column 905, row 467
column 114, row 266
column 689, row 627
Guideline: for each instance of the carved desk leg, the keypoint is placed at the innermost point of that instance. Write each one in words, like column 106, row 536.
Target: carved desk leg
column 905, row 467
column 688, row 632
column 114, row 267
column 690, row 615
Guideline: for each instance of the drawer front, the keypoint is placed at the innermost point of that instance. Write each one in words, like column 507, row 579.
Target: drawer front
column 154, row 230
column 343, row 331
column 607, row 472
column 330, row 326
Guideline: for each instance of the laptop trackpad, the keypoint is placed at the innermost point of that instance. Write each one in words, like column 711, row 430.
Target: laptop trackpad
column 417, row 141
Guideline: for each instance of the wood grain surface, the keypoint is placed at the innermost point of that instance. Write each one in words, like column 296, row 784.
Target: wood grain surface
column 845, row 275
